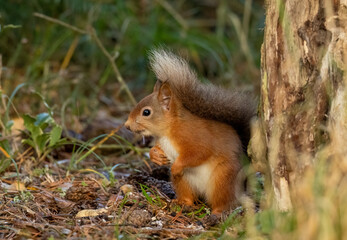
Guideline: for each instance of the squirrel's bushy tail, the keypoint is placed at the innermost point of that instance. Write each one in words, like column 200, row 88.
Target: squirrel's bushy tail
column 204, row 100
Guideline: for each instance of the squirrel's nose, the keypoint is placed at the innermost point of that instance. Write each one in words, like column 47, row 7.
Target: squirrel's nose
column 127, row 125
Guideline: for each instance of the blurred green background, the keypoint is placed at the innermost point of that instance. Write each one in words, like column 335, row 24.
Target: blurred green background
column 221, row 40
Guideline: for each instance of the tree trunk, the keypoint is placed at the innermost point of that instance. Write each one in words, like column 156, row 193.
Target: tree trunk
column 304, row 57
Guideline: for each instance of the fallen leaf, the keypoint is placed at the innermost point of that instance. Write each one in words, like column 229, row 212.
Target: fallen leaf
column 66, row 205
column 18, row 125
column 5, row 185
column 49, row 178
column 91, row 212
column 127, row 188
column 65, row 186
column 18, row 186
column 29, row 210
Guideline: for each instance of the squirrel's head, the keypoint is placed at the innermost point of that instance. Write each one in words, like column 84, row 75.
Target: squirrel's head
column 151, row 116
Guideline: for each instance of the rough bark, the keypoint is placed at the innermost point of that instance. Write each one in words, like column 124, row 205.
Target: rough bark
column 303, row 73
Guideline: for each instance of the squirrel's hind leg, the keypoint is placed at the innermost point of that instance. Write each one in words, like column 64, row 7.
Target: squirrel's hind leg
column 223, row 196
column 184, row 193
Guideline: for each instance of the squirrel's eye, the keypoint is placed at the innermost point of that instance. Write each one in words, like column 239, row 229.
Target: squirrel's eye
column 146, row 112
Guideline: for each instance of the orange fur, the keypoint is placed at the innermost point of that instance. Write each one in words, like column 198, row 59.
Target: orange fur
column 200, row 141
column 185, row 194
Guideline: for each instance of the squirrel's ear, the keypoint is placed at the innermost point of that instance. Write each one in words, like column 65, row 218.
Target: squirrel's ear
column 164, row 96
column 157, row 86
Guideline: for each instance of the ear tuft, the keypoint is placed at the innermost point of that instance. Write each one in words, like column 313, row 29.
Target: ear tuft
column 164, row 96
column 157, row 86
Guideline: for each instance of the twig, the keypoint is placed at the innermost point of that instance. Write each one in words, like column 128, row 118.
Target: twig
column 9, row 136
column 184, row 231
column 113, row 65
column 76, row 29
column 4, row 152
column 117, row 147
column 91, row 31
column 69, row 53
column 173, row 13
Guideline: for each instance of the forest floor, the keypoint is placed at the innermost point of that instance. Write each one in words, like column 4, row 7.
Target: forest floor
column 133, row 199
column 77, row 175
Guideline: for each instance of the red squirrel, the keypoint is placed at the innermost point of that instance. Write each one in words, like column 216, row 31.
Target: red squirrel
column 201, row 130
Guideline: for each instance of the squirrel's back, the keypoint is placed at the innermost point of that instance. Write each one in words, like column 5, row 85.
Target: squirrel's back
column 206, row 101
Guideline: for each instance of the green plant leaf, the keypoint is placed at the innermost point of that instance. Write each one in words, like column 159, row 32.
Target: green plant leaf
column 145, row 194
column 43, row 118
column 4, row 164
column 55, row 135
column 5, row 144
column 7, row 117
column 29, row 122
column 41, row 142
column 50, row 112
column 9, row 124
column 29, row 142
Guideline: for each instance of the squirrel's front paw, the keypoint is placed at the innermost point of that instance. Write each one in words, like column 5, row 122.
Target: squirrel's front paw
column 157, row 155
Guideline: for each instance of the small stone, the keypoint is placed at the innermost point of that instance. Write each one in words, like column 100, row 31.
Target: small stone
column 127, row 188
column 158, row 223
